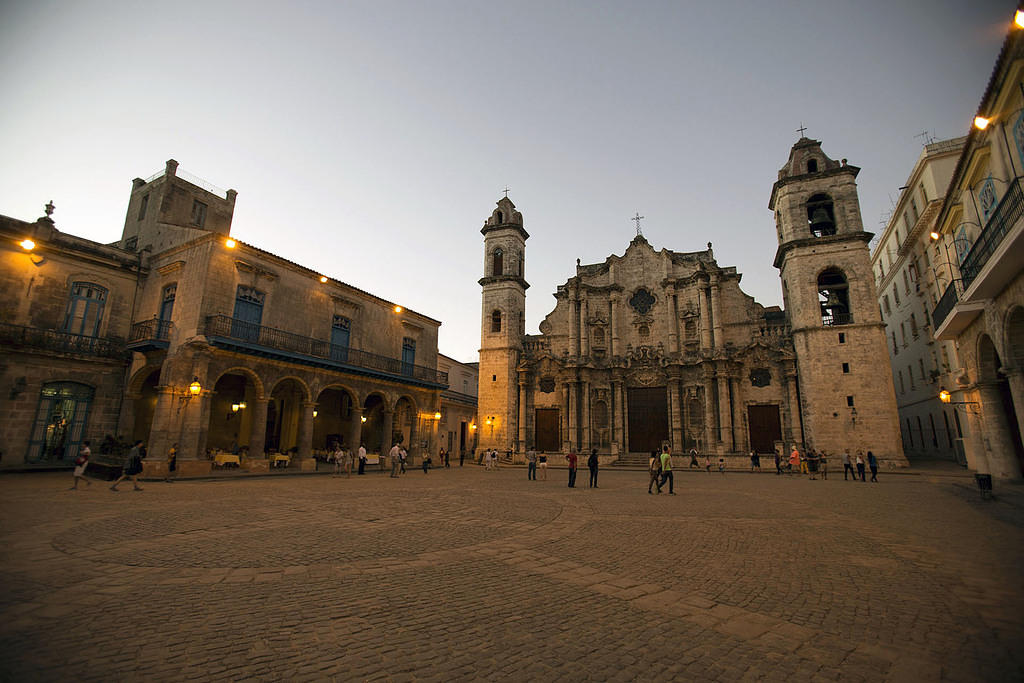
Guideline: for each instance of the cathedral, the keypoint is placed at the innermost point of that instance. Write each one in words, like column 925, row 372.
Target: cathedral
column 661, row 347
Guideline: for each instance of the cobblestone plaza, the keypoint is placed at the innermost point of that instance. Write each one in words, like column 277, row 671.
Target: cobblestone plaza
column 464, row 574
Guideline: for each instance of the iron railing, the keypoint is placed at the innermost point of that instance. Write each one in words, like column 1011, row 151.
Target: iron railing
column 61, row 342
column 159, row 330
column 946, row 303
column 1002, row 220
column 832, row 319
column 280, row 340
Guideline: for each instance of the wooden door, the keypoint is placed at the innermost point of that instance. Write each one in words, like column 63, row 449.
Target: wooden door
column 548, row 438
column 648, row 418
column 765, row 427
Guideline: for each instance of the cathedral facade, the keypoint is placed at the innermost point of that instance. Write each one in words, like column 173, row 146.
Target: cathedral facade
column 659, row 347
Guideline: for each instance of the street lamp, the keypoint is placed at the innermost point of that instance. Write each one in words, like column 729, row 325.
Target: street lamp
column 194, row 389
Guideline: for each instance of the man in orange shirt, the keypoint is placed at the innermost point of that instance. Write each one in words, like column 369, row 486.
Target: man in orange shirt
column 794, row 460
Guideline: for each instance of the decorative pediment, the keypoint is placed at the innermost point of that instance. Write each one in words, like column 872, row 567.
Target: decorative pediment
column 170, row 267
column 344, row 302
column 244, row 267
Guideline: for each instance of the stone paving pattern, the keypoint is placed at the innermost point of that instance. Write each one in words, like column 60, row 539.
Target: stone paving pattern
column 467, row 575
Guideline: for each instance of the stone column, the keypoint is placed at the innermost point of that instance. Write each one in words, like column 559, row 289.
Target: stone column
column 974, row 444
column 587, row 438
column 574, row 436
column 673, row 330
column 584, row 331
column 613, row 418
column 1015, row 376
column 574, row 327
column 613, row 304
column 624, row 422
column 716, row 313
column 794, row 412
column 710, row 423
column 162, row 433
column 566, row 439
column 675, row 416
column 705, row 320
column 684, row 406
column 1001, row 452
column 305, row 435
column 522, row 415
column 356, row 430
column 725, row 413
column 258, row 430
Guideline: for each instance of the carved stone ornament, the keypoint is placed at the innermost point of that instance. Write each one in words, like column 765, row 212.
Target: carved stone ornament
column 760, row 377
column 645, row 377
column 641, row 301
column 547, row 384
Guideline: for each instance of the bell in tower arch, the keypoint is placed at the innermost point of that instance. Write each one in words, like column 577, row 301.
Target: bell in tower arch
column 819, row 213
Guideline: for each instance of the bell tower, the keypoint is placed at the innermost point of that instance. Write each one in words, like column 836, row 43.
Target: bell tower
column 502, row 323
column 846, row 391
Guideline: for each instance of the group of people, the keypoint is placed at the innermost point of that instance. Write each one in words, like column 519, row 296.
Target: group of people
column 535, row 461
column 815, row 461
column 659, row 466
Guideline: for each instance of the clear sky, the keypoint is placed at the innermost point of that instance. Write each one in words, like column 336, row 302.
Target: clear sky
column 370, row 140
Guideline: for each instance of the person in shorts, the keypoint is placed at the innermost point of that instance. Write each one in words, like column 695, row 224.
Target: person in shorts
column 132, row 467
column 81, row 462
column 542, row 464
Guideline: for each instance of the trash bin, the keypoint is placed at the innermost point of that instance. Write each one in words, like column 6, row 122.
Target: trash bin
column 984, row 484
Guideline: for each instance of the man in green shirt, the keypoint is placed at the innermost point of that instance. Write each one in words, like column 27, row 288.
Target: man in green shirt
column 666, row 470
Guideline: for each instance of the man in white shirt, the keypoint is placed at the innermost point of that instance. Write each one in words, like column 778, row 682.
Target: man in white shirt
column 362, row 459
column 396, row 456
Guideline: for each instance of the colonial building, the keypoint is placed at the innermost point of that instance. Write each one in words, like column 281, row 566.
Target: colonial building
column 911, row 275
column 661, row 347
column 179, row 333
column 981, row 226
column 457, row 430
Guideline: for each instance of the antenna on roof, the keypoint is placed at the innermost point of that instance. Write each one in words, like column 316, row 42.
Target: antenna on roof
column 926, row 136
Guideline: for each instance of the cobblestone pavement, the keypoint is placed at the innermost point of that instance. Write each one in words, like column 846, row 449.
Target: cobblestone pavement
column 466, row 574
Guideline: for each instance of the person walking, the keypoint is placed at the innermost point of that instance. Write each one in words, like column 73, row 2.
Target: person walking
column 362, row 458
column 707, row 463
column 172, row 462
column 531, row 465
column 346, row 459
column 847, row 467
column 447, row 459
column 860, row 465
column 693, row 459
column 778, row 462
column 753, row 459
column 81, row 462
column 654, row 470
column 666, row 471
column 542, row 463
column 335, row 456
column 721, row 464
column 426, row 462
column 132, row 467
column 571, row 459
column 592, row 464
column 873, row 464
column 823, row 464
column 794, row 461
column 395, row 455
column 403, row 455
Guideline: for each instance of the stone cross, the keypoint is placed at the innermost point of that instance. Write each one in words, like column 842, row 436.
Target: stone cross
column 801, row 129
column 506, row 192
column 637, row 218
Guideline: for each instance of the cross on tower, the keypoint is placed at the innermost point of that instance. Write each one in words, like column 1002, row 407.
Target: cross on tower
column 506, row 192
column 801, row 129
column 637, row 218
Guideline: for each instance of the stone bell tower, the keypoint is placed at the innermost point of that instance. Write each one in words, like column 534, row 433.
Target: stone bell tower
column 502, row 322
column 846, row 392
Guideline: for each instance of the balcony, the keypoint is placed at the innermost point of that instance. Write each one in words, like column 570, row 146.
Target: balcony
column 994, row 260
column 832, row 319
column 61, row 342
column 238, row 335
column 150, row 335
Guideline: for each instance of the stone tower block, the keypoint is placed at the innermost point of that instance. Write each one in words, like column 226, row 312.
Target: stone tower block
column 846, row 393
column 502, row 320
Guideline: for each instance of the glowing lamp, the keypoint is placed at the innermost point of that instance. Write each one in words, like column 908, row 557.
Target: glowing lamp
column 487, row 421
column 944, row 396
column 242, row 405
column 981, row 123
column 230, row 243
column 195, row 388
column 1018, row 19
column 315, row 413
column 362, row 419
column 398, row 309
column 934, row 235
column 235, row 407
column 27, row 245
column 437, row 415
column 323, row 278
column 472, row 427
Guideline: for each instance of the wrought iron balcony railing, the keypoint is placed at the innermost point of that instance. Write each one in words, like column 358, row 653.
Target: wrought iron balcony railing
column 158, row 330
column 1007, row 213
column 831, row 319
column 946, row 303
column 326, row 353
column 61, row 342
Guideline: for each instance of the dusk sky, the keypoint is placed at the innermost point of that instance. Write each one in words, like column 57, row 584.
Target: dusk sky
column 370, row 140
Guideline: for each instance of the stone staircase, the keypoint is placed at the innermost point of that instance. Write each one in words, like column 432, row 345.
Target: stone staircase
column 632, row 461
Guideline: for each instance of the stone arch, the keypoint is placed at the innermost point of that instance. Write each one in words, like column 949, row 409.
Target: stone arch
column 405, row 420
column 834, row 296
column 134, row 386
column 988, row 360
column 821, row 217
column 251, row 375
column 337, row 411
column 1014, row 338
column 142, row 391
column 298, row 380
column 496, row 320
column 497, row 262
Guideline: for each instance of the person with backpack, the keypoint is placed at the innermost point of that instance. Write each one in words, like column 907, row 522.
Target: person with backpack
column 132, row 467
column 81, row 462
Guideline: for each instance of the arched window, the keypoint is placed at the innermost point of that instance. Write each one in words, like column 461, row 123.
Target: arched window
column 821, row 218
column 833, row 297
column 498, row 218
column 85, row 309
column 496, row 321
column 812, row 166
column 60, row 422
column 496, row 266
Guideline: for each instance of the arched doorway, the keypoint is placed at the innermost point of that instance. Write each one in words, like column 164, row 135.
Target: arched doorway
column 404, row 427
column 284, row 413
column 998, row 408
column 231, row 405
column 373, row 427
column 333, row 421
column 145, row 406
